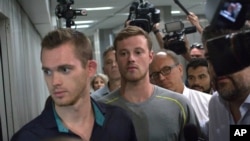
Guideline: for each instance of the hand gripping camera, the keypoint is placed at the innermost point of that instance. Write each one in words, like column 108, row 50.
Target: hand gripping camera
column 64, row 10
column 144, row 15
column 174, row 39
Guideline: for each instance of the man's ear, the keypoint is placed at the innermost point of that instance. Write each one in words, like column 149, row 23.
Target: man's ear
column 180, row 67
column 92, row 66
column 151, row 55
column 103, row 70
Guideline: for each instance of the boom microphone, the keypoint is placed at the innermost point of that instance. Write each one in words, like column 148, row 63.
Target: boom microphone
column 182, row 7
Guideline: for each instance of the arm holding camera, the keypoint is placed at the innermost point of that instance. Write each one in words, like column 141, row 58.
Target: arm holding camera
column 158, row 35
column 186, row 55
column 194, row 20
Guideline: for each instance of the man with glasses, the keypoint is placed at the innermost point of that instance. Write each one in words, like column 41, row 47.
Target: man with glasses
column 167, row 72
column 197, row 51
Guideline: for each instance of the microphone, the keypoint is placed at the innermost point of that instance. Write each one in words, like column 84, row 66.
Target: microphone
column 190, row 132
column 182, row 7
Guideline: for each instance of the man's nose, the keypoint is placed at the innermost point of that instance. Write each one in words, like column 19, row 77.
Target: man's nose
column 56, row 79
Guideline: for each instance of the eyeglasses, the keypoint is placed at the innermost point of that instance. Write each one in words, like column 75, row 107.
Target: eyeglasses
column 164, row 71
column 196, row 45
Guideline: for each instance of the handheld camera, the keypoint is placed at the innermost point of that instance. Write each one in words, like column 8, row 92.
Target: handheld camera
column 64, row 10
column 143, row 14
column 174, row 39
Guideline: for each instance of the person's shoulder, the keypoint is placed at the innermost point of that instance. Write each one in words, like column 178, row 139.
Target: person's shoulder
column 111, row 97
column 159, row 91
column 115, row 111
column 201, row 94
column 28, row 130
column 100, row 92
column 170, row 95
column 215, row 99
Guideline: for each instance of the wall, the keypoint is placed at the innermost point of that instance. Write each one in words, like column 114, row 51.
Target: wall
column 24, row 88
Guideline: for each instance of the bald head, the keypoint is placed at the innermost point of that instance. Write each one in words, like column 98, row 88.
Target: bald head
column 166, row 71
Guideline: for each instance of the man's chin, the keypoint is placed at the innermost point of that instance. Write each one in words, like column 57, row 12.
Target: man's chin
column 228, row 96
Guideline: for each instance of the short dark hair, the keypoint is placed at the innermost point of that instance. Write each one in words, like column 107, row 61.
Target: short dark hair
column 82, row 45
column 108, row 49
column 130, row 31
column 196, row 62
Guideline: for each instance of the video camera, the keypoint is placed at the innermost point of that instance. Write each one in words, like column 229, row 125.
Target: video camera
column 227, row 14
column 64, row 10
column 144, row 15
column 231, row 52
column 174, row 39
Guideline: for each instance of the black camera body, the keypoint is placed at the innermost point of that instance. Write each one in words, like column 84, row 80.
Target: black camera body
column 64, row 10
column 174, row 39
column 144, row 15
column 231, row 52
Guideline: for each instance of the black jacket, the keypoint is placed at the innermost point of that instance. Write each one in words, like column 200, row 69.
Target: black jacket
column 117, row 126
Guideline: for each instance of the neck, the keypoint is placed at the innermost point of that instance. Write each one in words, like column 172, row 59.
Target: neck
column 235, row 107
column 114, row 84
column 180, row 88
column 77, row 113
column 136, row 92
column 79, row 118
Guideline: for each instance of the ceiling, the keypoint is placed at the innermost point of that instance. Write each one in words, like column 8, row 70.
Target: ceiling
column 42, row 12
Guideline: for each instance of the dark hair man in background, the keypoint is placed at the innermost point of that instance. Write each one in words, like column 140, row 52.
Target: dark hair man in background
column 198, row 76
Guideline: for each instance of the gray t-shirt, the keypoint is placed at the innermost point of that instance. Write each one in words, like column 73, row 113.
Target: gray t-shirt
column 160, row 118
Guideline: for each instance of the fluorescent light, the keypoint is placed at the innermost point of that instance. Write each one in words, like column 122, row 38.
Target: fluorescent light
column 84, row 22
column 122, row 14
column 98, row 8
column 175, row 12
column 126, row 14
column 80, row 26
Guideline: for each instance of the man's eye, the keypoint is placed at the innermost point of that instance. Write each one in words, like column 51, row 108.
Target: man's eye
column 138, row 52
column 109, row 62
column 190, row 78
column 202, row 76
column 123, row 53
column 47, row 72
column 65, row 70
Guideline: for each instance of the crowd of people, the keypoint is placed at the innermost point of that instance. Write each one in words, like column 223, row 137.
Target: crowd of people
column 141, row 94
